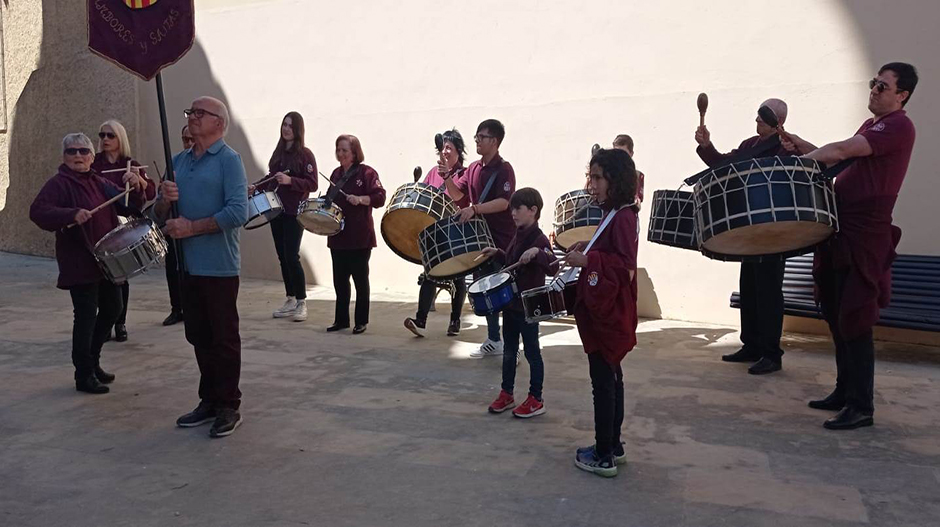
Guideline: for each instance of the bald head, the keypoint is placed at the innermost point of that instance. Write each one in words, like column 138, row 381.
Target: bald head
column 208, row 122
column 779, row 107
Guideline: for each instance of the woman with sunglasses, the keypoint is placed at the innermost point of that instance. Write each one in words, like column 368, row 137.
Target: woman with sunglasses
column 294, row 171
column 64, row 207
column 114, row 151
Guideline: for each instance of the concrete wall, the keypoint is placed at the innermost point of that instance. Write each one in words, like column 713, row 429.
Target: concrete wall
column 561, row 76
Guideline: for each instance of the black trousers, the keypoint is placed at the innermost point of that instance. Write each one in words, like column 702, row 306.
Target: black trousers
column 211, row 322
column 855, row 356
column 173, row 277
column 95, row 306
column 287, row 233
column 125, row 297
column 761, row 286
column 607, row 382
column 429, row 290
column 351, row 263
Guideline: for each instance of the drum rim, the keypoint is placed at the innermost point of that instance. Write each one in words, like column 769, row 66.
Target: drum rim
column 134, row 222
column 509, row 280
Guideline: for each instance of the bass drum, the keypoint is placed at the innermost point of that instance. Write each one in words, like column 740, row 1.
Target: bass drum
column 576, row 218
column 413, row 207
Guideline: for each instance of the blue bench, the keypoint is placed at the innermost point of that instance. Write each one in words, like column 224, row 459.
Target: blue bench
column 915, row 292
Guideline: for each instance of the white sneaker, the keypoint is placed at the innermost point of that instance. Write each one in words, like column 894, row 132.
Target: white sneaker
column 287, row 309
column 300, row 312
column 487, row 349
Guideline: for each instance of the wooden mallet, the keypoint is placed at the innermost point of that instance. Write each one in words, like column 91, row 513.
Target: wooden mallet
column 702, row 103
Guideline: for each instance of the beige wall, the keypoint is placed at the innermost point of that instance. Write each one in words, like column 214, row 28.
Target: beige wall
column 561, row 75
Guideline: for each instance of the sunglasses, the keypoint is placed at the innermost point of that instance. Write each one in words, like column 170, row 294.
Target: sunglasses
column 881, row 85
column 74, row 151
column 109, row 135
column 199, row 113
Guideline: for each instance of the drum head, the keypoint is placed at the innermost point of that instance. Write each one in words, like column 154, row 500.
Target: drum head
column 450, row 249
column 768, row 239
column 123, row 237
column 570, row 237
column 489, row 282
column 400, row 229
column 318, row 221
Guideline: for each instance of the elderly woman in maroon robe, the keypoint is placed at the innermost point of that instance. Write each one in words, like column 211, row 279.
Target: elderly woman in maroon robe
column 64, row 206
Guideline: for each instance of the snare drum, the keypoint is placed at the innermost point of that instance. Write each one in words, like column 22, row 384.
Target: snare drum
column 492, row 293
column 130, row 249
column 542, row 303
column 263, row 206
column 314, row 216
column 449, row 249
column 576, row 218
column 672, row 219
column 769, row 207
column 413, row 207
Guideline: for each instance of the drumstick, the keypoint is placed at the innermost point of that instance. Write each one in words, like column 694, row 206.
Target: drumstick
column 331, row 184
column 511, row 267
column 122, row 169
column 702, row 103
column 265, row 180
column 103, row 205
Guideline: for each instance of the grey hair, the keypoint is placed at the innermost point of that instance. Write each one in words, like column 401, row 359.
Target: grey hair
column 225, row 118
column 77, row 138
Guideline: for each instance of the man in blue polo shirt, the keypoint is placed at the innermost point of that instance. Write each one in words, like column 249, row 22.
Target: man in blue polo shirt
column 212, row 196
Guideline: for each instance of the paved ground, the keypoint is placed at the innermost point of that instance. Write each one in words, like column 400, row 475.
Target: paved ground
column 385, row 429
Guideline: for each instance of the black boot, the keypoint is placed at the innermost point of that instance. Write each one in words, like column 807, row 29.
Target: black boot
column 90, row 385
column 848, row 419
column 120, row 333
column 742, row 355
column 103, row 376
column 834, row 402
column 173, row 318
column 764, row 366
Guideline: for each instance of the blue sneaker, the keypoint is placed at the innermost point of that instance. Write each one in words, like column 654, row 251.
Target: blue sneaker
column 586, row 459
column 620, row 457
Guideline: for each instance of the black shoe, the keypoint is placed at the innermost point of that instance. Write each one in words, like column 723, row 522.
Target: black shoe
column 173, row 318
column 849, row 419
column 742, row 355
column 120, row 333
column 360, row 328
column 226, row 422
column 764, row 366
column 415, row 326
column 337, row 327
column 91, row 385
column 834, row 402
column 454, row 328
column 103, row 376
column 203, row 413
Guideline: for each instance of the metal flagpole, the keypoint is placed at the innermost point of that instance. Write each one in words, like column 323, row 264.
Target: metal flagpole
column 171, row 176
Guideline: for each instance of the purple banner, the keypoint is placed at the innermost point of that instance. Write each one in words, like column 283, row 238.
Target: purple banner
column 141, row 36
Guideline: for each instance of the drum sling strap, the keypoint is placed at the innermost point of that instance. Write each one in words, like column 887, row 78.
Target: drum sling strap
column 334, row 190
column 558, row 285
column 489, row 185
column 759, row 150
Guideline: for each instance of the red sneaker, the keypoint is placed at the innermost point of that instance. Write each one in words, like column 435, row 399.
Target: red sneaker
column 502, row 403
column 530, row 408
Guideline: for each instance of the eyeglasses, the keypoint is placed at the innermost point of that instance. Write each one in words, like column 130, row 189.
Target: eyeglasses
column 881, row 85
column 480, row 137
column 199, row 113
column 74, row 151
column 187, row 139
column 109, row 135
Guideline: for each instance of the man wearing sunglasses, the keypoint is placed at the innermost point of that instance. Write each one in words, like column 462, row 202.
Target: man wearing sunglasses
column 212, row 196
column 760, row 283
column 490, row 182
column 852, row 270
column 64, row 206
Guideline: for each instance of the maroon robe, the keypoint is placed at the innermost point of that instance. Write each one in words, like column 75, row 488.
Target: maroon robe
column 435, row 180
column 54, row 209
column 100, row 164
column 359, row 230
column 303, row 179
column 532, row 274
column 473, row 182
column 864, row 247
column 605, row 310
column 713, row 158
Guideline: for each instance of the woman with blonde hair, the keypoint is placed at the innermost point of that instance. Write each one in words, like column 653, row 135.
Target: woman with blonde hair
column 114, row 152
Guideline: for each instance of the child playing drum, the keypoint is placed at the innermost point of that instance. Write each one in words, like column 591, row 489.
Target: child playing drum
column 530, row 248
column 605, row 309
